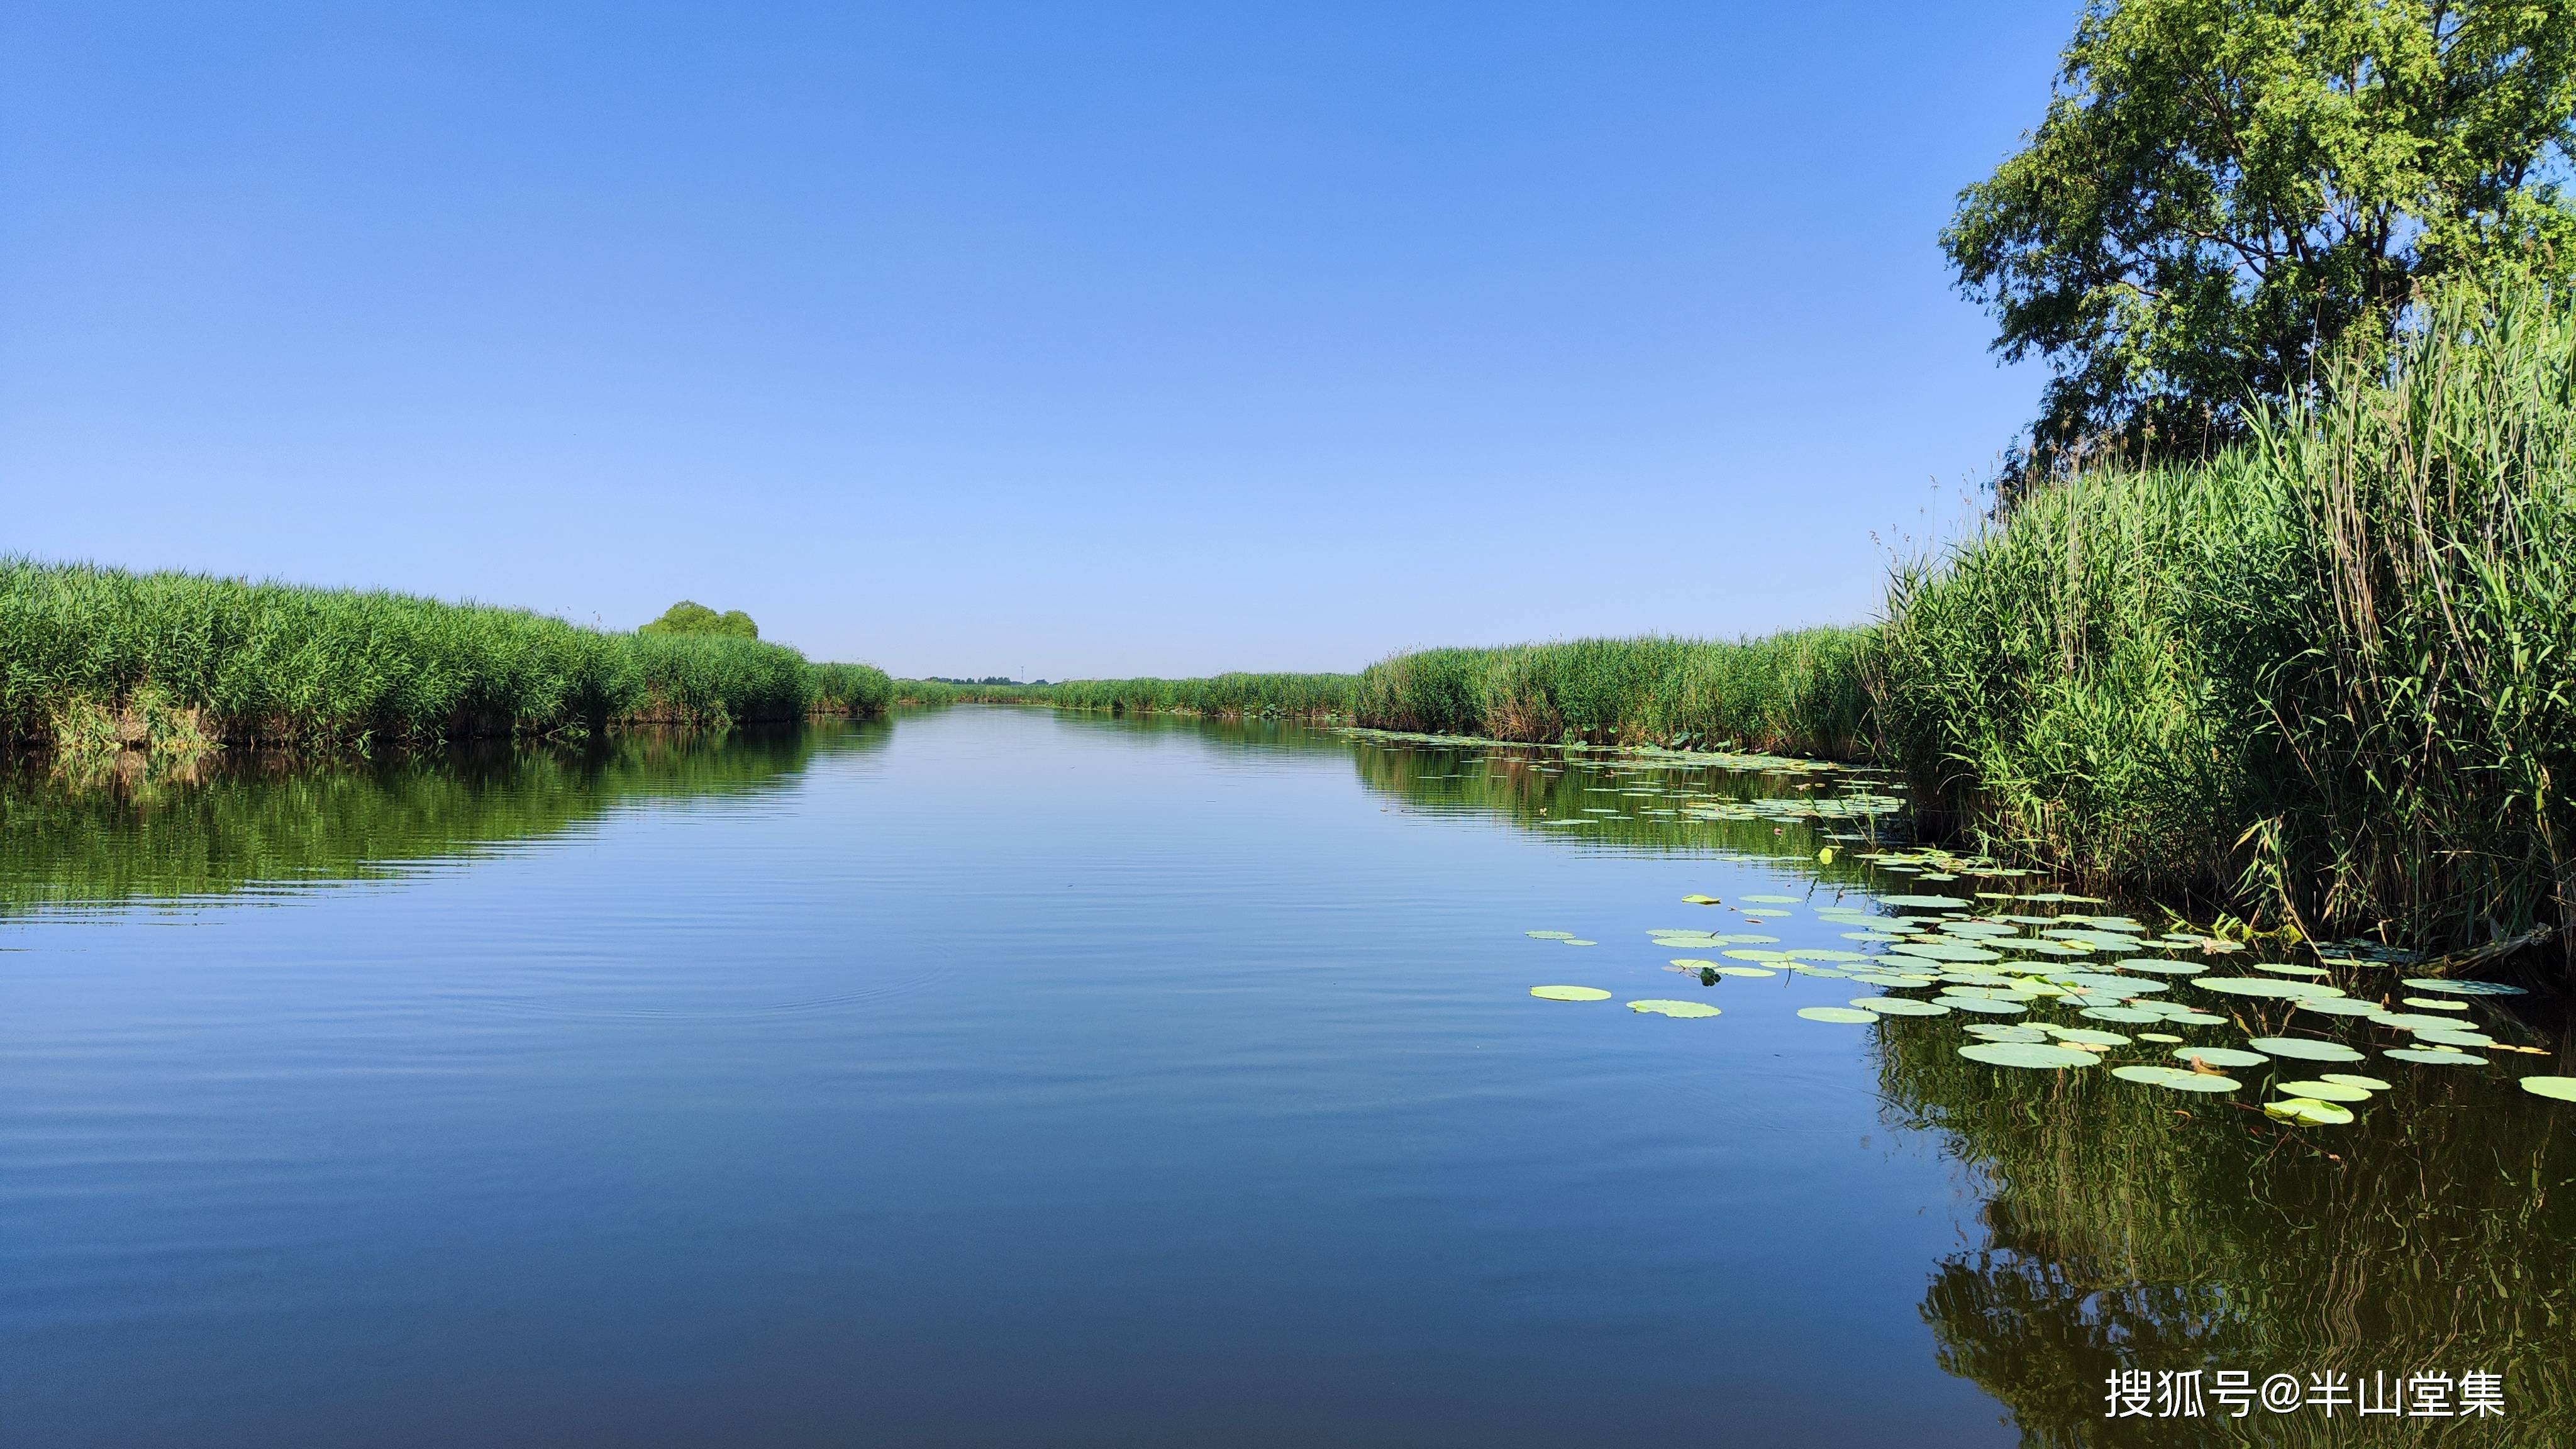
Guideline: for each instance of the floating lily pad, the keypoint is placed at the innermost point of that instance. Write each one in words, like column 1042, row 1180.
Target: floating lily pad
column 1551, row 935
column 1694, row 963
column 1569, row 993
column 1844, row 1015
column 2025, row 1054
column 2336, row 1006
column 1572, row 941
column 2442, row 987
column 2181, row 1079
column 2308, row 1112
column 2430, row 1003
column 2427, row 1057
column 2456, row 1038
column 1927, row 903
column 2304, row 1049
column 1982, row 1005
column 1660, row 1007
column 2285, row 968
column 2557, row 1089
column 2271, row 986
column 1754, row 953
column 2161, row 966
column 1900, row 1006
column 2324, row 1091
column 2130, row 1015
column 1746, row 971
column 2158, row 1036
column 2414, row 1021
column 1819, row 953
column 2222, row 1056
column 2367, row 1084
column 1701, row 901
column 2089, row 1036
column 2015, row 1032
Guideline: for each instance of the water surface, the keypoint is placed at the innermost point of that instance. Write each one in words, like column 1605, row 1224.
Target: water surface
column 996, row 1076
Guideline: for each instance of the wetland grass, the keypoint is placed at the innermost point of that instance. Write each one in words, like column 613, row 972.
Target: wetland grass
column 97, row 658
column 2327, row 674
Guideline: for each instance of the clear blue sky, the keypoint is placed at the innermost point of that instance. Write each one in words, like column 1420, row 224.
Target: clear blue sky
column 1036, row 340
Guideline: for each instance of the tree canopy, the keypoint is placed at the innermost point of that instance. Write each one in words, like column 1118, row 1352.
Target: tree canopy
column 690, row 617
column 2221, row 189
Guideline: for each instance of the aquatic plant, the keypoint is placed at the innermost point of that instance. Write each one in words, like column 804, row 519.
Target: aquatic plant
column 1805, row 692
column 2325, row 674
column 94, row 655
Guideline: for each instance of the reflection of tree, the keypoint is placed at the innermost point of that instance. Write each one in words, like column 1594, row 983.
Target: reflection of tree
column 241, row 818
column 2130, row 1228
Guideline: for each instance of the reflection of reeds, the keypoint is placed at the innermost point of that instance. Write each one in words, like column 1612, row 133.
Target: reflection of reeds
column 2131, row 1228
column 213, row 824
column 1550, row 791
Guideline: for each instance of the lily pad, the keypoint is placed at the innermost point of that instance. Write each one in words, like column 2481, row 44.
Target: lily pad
column 2222, row 1056
column 2414, row 1021
column 1701, row 901
column 2129, row 1014
column 2556, row 1089
column 1900, row 1006
column 2089, row 1036
column 2285, row 968
column 1660, row 1007
column 2159, row 1036
column 2324, row 1091
column 2025, row 1054
column 2456, row 1038
column 1569, row 993
column 2427, row 1057
column 1572, row 941
column 1551, row 935
column 2271, row 986
column 2431, row 1003
column 2181, row 1079
column 2304, row 1049
column 2367, row 1084
column 1746, row 971
column 2018, row 1031
column 2441, row 987
column 2308, row 1112
column 1943, row 951
column 1927, row 903
column 2336, row 1006
column 1982, row 1005
column 1842, row 1015
column 2160, row 966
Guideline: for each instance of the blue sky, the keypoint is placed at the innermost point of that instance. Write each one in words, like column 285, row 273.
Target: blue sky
column 1035, row 340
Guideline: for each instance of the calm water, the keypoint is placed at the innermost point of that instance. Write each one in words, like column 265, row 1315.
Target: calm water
column 993, row 1077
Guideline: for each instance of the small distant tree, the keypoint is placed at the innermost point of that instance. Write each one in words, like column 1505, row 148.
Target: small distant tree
column 2223, row 188
column 688, row 617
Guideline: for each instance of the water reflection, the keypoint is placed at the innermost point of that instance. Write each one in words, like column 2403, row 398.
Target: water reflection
column 244, row 821
column 2129, row 1228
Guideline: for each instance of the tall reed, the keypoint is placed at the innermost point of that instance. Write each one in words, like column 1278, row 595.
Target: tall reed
column 2327, row 673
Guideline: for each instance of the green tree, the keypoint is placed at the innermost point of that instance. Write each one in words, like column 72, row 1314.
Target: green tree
column 689, row 617
column 2224, row 188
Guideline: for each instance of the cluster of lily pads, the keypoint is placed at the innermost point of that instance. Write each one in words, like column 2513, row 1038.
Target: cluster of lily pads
column 2135, row 990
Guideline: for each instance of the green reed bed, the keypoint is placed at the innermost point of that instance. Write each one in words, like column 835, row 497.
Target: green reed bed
column 2328, row 672
column 96, row 658
column 1799, row 693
